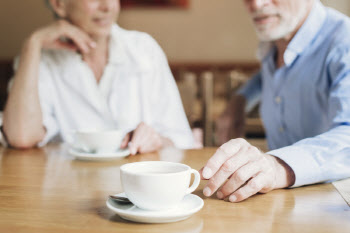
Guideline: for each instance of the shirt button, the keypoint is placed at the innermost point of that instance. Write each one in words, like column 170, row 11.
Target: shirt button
column 278, row 100
column 281, row 129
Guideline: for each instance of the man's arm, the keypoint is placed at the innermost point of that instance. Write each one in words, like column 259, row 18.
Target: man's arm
column 326, row 157
column 321, row 158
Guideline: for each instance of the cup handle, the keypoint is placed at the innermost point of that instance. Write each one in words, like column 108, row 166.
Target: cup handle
column 195, row 182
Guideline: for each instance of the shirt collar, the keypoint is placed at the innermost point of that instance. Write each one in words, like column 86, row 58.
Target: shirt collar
column 116, row 49
column 305, row 35
column 117, row 53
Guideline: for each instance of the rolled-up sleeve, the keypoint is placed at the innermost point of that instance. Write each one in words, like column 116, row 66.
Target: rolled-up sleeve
column 326, row 157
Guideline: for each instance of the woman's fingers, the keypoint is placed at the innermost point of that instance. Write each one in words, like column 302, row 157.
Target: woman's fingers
column 125, row 141
column 153, row 143
column 78, row 37
column 145, row 139
column 139, row 133
column 63, row 34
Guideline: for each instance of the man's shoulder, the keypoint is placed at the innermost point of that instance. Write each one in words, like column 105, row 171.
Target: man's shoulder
column 337, row 28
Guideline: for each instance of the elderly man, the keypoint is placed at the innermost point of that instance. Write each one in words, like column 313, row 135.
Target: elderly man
column 303, row 86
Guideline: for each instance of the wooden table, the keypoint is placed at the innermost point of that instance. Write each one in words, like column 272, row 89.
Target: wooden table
column 46, row 190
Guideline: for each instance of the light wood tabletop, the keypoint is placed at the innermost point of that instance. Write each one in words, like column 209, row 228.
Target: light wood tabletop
column 47, row 190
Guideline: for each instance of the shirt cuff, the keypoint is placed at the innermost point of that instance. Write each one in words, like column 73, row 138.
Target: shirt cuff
column 51, row 130
column 305, row 168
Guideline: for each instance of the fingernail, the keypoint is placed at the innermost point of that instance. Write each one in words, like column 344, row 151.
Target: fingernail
column 233, row 198
column 207, row 173
column 207, row 191
column 220, row 195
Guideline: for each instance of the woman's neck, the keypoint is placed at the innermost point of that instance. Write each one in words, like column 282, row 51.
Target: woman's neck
column 97, row 58
column 100, row 51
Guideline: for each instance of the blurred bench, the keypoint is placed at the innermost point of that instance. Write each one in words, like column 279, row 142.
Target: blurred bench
column 206, row 88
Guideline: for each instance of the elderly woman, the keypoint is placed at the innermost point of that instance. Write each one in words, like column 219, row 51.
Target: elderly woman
column 83, row 72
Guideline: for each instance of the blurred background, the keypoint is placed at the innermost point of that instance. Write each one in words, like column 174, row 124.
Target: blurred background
column 210, row 45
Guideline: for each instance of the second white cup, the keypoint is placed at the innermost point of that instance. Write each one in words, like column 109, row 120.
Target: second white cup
column 104, row 141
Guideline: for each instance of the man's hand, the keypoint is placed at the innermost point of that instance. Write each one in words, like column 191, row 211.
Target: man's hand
column 231, row 122
column 239, row 170
column 144, row 139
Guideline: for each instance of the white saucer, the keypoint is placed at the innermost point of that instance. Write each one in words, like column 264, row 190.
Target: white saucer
column 189, row 205
column 98, row 156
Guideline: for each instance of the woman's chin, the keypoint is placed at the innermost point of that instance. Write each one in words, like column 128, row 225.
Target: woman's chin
column 100, row 32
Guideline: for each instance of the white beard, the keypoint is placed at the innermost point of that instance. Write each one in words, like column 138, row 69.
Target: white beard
column 281, row 31
column 286, row 26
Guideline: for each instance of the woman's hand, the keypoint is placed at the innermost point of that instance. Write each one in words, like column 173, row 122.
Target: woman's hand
column 63, row 35
column 144, row 139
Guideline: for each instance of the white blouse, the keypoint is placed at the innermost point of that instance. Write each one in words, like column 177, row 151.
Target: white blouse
column 137, row 86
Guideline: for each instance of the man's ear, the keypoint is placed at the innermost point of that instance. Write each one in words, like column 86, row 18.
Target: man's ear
column 59, row 6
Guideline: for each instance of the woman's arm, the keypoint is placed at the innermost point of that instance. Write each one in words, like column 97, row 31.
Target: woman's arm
column 22, row 116
column 23, row 121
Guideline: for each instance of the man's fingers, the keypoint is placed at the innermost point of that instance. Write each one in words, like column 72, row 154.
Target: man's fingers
column 251, row 188
column 225, row 151
column 228, row 168
column 239, row 178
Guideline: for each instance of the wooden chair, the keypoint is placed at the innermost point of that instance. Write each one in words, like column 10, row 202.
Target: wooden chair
column 207, row 81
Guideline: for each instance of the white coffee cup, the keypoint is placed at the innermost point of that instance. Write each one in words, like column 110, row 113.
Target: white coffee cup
column 157, row 185
column 104, row 141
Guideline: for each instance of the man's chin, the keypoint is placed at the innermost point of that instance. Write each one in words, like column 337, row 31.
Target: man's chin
column 270, row 36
